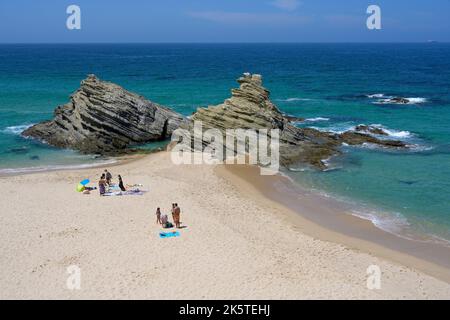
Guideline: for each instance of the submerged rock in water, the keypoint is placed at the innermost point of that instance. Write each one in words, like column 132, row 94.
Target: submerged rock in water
column 399, row 100
column 395, row 100
column 371, row 129
column 104, row 118
column 249, row 107
column 19, row 150
column 294, row 118
column 408, row 182
column 356, row 138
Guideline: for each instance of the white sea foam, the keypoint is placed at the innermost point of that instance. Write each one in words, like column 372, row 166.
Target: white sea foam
column 317, row 119
column 298, row 169
column 397, row 224
column 376, row 95
column 398, row 134
column 392, row 132
column 12, row 171
column 343, row 127
column 416, row 100
column 374, row 146
column 336, row 128
column 329, row 168
column 392, row 222
column 411, row 101
column 16, row 130
column 420, row 148
column 294, row 99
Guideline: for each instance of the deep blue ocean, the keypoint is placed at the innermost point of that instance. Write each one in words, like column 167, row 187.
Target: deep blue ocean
column 334, row 86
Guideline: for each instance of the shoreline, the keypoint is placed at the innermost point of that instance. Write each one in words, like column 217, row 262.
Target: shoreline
column 113, row 162
column 326, row 219
column 352, row 207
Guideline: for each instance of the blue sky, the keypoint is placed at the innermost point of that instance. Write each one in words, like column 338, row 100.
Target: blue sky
column 223, row 21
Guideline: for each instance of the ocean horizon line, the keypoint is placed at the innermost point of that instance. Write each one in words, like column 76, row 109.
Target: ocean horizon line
column 429, row 42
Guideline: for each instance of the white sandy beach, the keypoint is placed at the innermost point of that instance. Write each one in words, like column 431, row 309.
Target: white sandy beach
column 233, row 247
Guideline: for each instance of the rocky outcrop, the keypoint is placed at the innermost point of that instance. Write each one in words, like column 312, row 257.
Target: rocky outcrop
column 249, row 107
column 104, row 118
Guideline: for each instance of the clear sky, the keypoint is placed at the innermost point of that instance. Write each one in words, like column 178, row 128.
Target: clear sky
column 24, row 21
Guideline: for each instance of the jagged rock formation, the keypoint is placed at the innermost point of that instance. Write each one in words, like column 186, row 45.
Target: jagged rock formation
column 104, row 118
column 250, row 108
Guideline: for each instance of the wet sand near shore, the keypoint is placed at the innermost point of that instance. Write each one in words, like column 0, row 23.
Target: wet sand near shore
column 328, row 219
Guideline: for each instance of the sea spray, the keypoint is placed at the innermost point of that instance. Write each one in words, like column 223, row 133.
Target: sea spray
column 16, row 130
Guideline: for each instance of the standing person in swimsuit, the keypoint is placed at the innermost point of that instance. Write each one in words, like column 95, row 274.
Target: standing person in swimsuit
column 102, row 185
column 108, row 177
column 158, row 216
column 172, row 211
column 121, row 186
column 176, row 215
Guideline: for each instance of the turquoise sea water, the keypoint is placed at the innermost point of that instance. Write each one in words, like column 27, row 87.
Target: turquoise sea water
column 336, row 86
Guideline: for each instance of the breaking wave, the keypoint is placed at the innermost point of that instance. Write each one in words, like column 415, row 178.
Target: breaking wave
column 317, row 119
column 16, row 130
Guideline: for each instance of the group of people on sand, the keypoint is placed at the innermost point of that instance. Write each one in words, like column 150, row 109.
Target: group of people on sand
column 106, row 181
column 163, row 219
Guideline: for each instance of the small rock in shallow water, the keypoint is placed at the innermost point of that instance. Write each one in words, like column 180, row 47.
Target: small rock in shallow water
column 19, row 150
column 408, row 182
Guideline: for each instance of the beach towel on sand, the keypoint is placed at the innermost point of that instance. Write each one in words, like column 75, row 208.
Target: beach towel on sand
column 113, row 187
column 110, row 194
column 169, row 234
column 125, row 193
